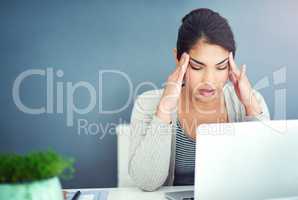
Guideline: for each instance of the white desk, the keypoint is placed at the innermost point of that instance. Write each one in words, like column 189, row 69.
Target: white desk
column 137, row 194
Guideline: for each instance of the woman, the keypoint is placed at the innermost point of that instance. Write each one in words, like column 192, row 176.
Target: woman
column 205, row 87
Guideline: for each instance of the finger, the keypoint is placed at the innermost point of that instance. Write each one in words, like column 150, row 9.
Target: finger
column 233, row 65
column 232, row 77
column 185, row 60
column 231, row 74
column 180, row 63
column 182, row 59
column 183, row 67
column 243, row 72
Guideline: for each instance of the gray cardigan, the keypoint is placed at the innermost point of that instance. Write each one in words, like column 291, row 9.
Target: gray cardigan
column 152, row 142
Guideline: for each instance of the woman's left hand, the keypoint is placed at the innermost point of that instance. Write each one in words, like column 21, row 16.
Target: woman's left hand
column 243, row 88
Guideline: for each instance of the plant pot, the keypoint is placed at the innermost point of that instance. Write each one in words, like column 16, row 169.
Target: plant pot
column 47, row 189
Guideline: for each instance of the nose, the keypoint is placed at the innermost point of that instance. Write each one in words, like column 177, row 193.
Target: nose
column 208, row 76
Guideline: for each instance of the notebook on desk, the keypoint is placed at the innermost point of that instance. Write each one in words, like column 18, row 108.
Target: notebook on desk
column 180, row 195
column 89, row 195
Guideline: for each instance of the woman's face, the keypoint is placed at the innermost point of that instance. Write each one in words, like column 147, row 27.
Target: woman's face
column 207, row 71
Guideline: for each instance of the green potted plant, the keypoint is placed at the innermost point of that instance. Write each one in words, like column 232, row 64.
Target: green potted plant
column 34, row 176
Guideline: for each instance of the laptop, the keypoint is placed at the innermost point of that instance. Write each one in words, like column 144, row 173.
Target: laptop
column 247, row 161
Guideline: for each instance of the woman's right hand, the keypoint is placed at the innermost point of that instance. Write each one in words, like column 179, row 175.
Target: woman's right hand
column 172, row 90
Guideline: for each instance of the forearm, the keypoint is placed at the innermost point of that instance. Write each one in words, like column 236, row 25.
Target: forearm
column 163, row 114
column 150, row 153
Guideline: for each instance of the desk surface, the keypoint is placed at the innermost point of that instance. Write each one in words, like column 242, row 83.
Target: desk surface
column 137, row 194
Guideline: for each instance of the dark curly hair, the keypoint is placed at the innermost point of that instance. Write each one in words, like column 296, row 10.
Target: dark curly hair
column 206, row 24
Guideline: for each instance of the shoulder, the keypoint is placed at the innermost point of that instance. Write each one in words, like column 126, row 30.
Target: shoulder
column 152, row 93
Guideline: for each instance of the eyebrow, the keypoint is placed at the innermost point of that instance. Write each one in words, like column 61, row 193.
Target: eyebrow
column 201, row 63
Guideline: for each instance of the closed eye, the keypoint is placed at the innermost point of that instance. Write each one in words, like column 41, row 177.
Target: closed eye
column 195, row 66
column 222, row 67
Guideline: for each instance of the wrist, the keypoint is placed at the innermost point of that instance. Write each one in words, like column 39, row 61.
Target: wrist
column 164, row 115
column 253, row 109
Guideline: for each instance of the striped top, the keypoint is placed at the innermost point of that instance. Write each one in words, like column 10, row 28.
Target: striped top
column 185, row 158
column 151, row 148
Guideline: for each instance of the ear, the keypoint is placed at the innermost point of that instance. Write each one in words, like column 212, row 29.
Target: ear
column 175, row 56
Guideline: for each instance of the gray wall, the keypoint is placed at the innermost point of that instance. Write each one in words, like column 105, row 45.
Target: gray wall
column 135, row 37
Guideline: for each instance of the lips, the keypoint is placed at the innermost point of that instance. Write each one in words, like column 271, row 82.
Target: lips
column 207, row 92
